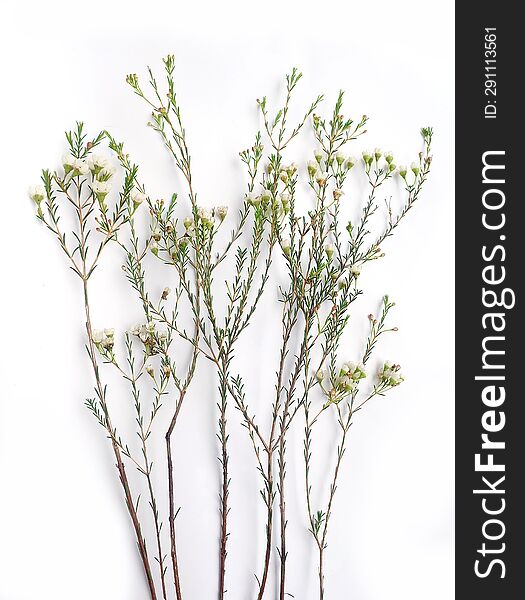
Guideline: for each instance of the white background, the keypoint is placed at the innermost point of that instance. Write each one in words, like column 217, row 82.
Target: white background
column 64, row 532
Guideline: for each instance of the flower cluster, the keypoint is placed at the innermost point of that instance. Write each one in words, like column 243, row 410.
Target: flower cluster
column 390, row 375
column 344, row 384
column 374, row 158
column 206, row 217
column 318, row 168
column 74, row 166
column 104, row 340
column 102, row 171
column 149, row 337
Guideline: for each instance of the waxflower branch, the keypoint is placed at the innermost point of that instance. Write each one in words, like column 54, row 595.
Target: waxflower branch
column 85, row 184
column 323, row 260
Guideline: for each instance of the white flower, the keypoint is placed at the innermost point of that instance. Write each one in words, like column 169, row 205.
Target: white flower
column 144, row 334
column 340, row 158
column 96, row 163
column 135, row 330
column 345, row 383
column 205, row 215
column 37, row 193
column 415, row 168
column 350, row 162
column 318, row 154
column 378, row 153
column 291, row 169
column 337, row 193
column 286, row 246
column 137, row 197
column 81, row 167
column 252, row 199
column 98, row 336
column 101, row 188
column 221, row 212
column 321, row 177
column 355, row 270
column 319, row 375
column 109, row 332
column 75, row 165
column 390, row 375
column 68, row 162
column 402, row 170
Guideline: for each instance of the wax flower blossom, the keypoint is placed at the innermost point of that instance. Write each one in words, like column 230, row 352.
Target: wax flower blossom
column 220, row 212
column 37, row 193
column 205, row 216
column 75, row 166
column 137, row 197
column 104, row 340
column 97, row 163
column 389, row 374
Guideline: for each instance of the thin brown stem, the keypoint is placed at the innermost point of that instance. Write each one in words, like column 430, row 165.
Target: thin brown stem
column 119, row 463
column 171, row 493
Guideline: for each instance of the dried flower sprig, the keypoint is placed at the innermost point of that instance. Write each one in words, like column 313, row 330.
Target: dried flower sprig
column 323, row 260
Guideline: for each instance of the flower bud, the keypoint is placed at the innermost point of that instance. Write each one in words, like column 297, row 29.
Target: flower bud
column 389, row 157
column 319, row 375
column 367, row 157
column 286, row 246
column 329, row 249
column 165, row 293
column 150, row 370
column 318, row 155
column 285, row 202
column 312, row 168
column 337, row 193
column 377, row 153
column 402, row 170
column 350, row 162
column 415, row 168
column 340, row 158
column 188, row 223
